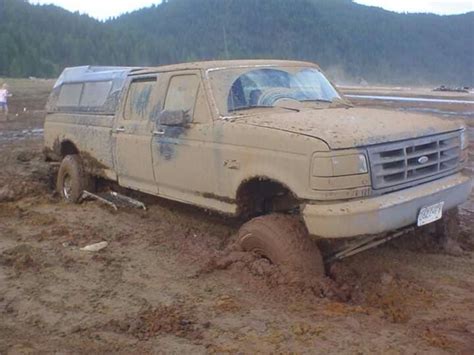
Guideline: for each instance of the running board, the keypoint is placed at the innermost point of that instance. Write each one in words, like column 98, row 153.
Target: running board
column 365, row 244
column 113, row 199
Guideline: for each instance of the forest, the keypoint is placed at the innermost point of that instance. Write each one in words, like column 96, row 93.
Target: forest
column 352, row 42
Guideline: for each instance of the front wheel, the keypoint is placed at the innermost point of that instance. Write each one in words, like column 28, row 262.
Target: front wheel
column 73, row 179
column 284, row 241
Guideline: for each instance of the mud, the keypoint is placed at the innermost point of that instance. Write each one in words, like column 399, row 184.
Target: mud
column 410, row 99
column 93, row 166
column 168, row 281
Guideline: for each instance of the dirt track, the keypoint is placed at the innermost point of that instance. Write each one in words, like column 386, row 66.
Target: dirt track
column 158, row 286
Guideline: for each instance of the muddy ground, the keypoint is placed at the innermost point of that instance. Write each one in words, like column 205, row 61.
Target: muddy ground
column 161, row 287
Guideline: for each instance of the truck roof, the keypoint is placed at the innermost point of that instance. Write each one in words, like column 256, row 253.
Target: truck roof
column 104, row 73
column 97, row 89
column 221, row 64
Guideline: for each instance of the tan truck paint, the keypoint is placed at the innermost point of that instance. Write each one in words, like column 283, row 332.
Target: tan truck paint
column 355, row 127
column 224, row 161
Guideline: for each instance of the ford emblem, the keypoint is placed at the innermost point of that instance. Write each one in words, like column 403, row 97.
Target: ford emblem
column 423, row 160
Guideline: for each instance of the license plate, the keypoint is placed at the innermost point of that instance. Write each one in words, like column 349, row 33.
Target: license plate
column 430, row 214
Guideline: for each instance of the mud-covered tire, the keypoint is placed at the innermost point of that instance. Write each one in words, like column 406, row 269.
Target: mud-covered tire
column 283, row 240
column 73, row 179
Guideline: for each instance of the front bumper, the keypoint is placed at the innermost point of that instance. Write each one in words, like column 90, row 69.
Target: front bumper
column 384, row 213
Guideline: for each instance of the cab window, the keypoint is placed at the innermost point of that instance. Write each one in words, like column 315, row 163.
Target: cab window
column 182, row 92
column 141, row 102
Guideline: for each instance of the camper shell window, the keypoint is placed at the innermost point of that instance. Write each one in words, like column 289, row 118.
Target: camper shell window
column 70, row 95
column 85, row 97
column 95, row 94
column 89, row 90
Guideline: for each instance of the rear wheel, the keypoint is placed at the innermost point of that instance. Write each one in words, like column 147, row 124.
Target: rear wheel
column 284, row 241
column 73, row 179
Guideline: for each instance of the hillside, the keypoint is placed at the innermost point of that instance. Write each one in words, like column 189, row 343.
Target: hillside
column 352, row 42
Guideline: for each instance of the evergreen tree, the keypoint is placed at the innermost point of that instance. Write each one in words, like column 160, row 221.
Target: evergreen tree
column 349, row 40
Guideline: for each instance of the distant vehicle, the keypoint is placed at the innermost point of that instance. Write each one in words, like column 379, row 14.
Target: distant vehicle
column 270, row 141
column 443, row 88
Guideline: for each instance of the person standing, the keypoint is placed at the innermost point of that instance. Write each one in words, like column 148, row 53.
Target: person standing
column 4, row 95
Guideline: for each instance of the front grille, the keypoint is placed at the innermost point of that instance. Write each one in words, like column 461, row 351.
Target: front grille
column 407, row 162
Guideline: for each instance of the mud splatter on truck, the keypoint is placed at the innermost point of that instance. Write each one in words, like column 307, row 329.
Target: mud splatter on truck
column 274, row 140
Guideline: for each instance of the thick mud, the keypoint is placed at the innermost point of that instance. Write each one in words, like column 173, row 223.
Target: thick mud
column 170, row 281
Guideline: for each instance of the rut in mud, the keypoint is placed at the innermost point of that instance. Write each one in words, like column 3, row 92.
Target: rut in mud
column 169, row 282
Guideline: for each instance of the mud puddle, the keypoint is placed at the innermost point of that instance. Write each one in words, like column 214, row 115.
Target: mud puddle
column 468, row 114
column 410, row 99
column 166, row 284
column 15, row 135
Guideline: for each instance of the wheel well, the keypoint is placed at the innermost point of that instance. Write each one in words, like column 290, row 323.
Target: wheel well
column 68, row 148
column 261, row 195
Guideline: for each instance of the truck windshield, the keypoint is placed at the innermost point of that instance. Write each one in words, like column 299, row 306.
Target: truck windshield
column 245, row 88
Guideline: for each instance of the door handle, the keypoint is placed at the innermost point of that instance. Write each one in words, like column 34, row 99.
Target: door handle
column 120, row 129
column 159, row 132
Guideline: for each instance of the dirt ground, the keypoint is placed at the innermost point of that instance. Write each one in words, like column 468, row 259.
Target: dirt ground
column 161, row 285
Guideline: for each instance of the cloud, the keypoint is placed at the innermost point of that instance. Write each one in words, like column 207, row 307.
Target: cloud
column 102, row 9
column 442, row 7
column 105, row 9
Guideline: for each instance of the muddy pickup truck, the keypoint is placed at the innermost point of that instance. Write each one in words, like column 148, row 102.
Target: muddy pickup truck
column 272, row 142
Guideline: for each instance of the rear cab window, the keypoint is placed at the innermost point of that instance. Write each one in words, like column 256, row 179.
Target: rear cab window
column 142, row 103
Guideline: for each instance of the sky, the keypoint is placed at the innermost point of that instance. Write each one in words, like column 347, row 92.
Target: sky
column 104, row 9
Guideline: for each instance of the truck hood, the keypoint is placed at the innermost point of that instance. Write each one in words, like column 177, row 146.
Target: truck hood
column 353, row 127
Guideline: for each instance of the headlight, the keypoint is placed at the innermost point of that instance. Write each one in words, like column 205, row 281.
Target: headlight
column 340, row 165
column 464, row 139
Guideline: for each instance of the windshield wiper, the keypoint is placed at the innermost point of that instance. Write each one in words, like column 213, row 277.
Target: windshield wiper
column 263, row 106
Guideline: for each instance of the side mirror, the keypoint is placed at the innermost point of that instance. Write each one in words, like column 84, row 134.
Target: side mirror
column 173, row 118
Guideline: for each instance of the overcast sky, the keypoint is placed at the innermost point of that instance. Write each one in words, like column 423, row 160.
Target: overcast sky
column 103, row 9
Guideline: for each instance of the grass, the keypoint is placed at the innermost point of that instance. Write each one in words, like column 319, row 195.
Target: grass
column 28, row 87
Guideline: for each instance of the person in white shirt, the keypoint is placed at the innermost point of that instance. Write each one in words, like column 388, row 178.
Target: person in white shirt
column 4, row 95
